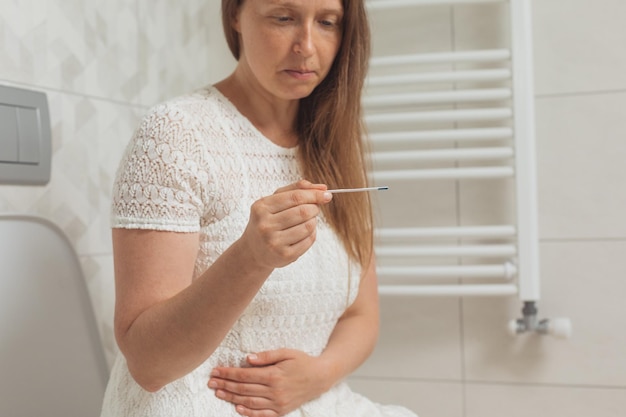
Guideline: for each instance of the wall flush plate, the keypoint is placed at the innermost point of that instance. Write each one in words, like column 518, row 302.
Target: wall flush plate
column 25, row 137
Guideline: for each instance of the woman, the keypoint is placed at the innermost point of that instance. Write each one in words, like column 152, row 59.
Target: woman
column 240, row 288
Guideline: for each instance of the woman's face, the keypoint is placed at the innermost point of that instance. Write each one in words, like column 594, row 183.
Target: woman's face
column 288, row 46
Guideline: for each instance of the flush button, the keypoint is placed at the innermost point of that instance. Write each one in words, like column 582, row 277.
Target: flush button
column 8, row 134
column 25, row 137
column 29, row 135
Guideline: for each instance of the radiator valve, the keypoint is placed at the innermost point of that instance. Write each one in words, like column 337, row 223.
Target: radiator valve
column 559, row 327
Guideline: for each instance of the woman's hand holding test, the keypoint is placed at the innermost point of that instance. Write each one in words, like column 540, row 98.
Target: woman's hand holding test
column 157, row 297
column 282, row 226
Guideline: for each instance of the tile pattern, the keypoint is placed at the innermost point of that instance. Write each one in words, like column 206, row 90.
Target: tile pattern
column 578, row 49
column 580, row 280
column 174, row 47
column 543, row 401
column 580, row 191
column 111, row 57
column 88, row 139
column 44, row 44
column 417, row 340
column 101, row 64
column 427, row 399
column 579, row 46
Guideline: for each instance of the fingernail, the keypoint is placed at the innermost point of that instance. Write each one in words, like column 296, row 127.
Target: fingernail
column 215, row 372
column 212, row 384
column 328, row 196
column 252, row 357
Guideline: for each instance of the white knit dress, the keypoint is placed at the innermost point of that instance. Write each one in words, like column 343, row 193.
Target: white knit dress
column 195, row 164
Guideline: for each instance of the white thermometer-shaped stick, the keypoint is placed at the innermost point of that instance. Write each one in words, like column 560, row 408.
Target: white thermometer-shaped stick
column 356, row 190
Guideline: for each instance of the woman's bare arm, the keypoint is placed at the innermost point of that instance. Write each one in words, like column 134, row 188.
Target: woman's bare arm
column 356, row 332
column 165, row 324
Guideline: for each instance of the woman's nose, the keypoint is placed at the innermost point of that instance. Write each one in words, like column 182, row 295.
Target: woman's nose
column 304, row 44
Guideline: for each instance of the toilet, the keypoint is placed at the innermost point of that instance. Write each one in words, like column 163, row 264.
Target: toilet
column 52, row 362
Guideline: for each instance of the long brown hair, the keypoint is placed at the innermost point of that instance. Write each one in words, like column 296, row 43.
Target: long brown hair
column 330, row 128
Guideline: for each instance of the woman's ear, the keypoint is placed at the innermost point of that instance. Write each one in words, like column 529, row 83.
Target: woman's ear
column 235, row 21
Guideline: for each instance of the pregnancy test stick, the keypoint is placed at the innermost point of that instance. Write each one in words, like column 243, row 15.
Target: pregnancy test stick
column 356, row 190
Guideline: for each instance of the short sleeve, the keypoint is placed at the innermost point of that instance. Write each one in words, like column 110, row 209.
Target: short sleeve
column 160, row 183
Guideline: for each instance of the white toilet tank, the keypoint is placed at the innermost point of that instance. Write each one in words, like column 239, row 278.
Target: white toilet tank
column 51, row 360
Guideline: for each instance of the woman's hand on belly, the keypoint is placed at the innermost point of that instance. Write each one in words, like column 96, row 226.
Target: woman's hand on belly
column 278, row 382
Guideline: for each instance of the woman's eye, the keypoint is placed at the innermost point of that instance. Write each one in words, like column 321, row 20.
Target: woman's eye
column 330, row 23
column 282, row 19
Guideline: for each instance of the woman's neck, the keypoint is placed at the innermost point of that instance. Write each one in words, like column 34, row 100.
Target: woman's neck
column 273, row 117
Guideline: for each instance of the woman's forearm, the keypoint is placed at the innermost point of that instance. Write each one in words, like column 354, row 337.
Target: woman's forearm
column 356, row 332
column 351, row 344
column 284, row 379
column 165, row 324
column 173, row 337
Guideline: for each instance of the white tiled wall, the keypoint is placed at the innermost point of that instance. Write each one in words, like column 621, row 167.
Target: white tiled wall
column 455, row 358
column 580, row 46
column 103, row 63
column 542, row 401
column 585, row 169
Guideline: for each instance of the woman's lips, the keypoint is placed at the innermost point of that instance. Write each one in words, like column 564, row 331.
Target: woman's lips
column 301, row 74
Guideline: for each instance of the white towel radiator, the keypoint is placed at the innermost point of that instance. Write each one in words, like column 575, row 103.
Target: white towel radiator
column 459, row 115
